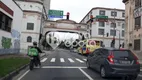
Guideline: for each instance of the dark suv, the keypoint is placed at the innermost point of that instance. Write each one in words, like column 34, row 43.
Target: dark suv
column 114, row 62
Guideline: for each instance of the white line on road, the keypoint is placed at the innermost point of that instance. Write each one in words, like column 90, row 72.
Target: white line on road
column 140, row 75
column 85, row 59
column 53, row 60
column 61, row 67
column 140, row 69
column 62, row 60
column 43, row 60
column 70, row 60
column 79, row 60
column 89, row 77
column 23, row 75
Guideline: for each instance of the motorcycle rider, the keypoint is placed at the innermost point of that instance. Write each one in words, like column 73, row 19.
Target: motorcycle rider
column 39, row 51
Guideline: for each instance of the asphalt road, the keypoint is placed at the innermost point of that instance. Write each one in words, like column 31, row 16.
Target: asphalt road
column 62, row 65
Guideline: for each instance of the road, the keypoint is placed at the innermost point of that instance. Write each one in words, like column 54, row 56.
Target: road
column 61, row 65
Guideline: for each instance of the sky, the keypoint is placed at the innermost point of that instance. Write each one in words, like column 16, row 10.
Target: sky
column 79, row 8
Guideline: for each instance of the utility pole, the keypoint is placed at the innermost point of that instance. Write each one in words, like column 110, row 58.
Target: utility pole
column 119, row 39
column 103, row 39
column 114, row 25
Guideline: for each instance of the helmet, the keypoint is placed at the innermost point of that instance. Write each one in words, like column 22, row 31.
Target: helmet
column 34, row 43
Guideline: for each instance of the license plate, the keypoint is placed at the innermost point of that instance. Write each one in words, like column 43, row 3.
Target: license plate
column 125, row 62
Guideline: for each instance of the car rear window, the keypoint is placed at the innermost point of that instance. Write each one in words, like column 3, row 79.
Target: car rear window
column 123, row 53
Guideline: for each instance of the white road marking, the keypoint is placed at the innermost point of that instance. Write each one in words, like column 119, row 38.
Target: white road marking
column 23, row 75
column 140, row 69
column 70, row 60
column 89, row 77
column 62, row 60
column 85, row 59
column 140, row 75
column 79, row 60
column 61, row 67
column 43, row 60
column 53, row 60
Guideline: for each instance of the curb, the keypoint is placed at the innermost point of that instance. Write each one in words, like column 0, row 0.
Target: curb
column 14, row 73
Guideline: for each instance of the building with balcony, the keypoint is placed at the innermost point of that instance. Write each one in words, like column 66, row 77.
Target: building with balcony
column 105, row 30
column 10, row 26
column 34, row 15
column 133, row 18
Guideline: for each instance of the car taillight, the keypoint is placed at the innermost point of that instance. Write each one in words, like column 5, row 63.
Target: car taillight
column 137, row 60
column 87, row 50
column 110, row 58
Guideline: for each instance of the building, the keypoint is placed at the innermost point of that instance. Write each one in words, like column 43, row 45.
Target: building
column 104, row 30
column 133, row 24
column 34, row 15
column 10, row 26
column 64, row 25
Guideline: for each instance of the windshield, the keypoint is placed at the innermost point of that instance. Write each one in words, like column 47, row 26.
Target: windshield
column 51, row 39
column 123, row 54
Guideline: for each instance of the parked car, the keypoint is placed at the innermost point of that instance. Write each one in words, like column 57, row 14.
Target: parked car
column 114, row 62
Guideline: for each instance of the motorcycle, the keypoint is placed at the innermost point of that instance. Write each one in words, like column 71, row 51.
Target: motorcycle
column 33, row 63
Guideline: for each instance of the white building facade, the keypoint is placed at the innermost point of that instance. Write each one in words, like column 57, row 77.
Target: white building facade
column 10, row 26
column 99, row 29
column 34, row 14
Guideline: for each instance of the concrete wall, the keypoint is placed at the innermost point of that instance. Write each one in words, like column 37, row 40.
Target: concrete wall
column 30, row 18
column 32, row 14
column 30, row 6
column 15, row 28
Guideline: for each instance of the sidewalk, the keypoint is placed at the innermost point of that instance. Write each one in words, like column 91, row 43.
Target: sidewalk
column 139, row 55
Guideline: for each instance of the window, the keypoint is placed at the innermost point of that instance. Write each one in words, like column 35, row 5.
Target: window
column 113, row 32
column 113, row 25
column 30, row 26
column 137, row 22
column 5, row 22
column 105, row 52
column 87, row 17
column 100, row 31
column 137, row 44
column 90, row 32
column 29, row 39
column 102, row 24
column 123, row 14
column 123, row 25
column 122, row 33
column 113, row 13
column 124, row 53
column 88, row 26
column 137, row 3
column 102, row 12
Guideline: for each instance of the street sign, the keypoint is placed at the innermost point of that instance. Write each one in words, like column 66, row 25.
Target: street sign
column 101, row 18
column 55, row 14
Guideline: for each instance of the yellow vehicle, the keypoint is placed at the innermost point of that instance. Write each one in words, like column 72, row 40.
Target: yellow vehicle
column 90, row 46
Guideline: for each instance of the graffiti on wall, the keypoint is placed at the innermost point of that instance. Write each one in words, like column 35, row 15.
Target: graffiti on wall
column 6, row 42
column 16, row 44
